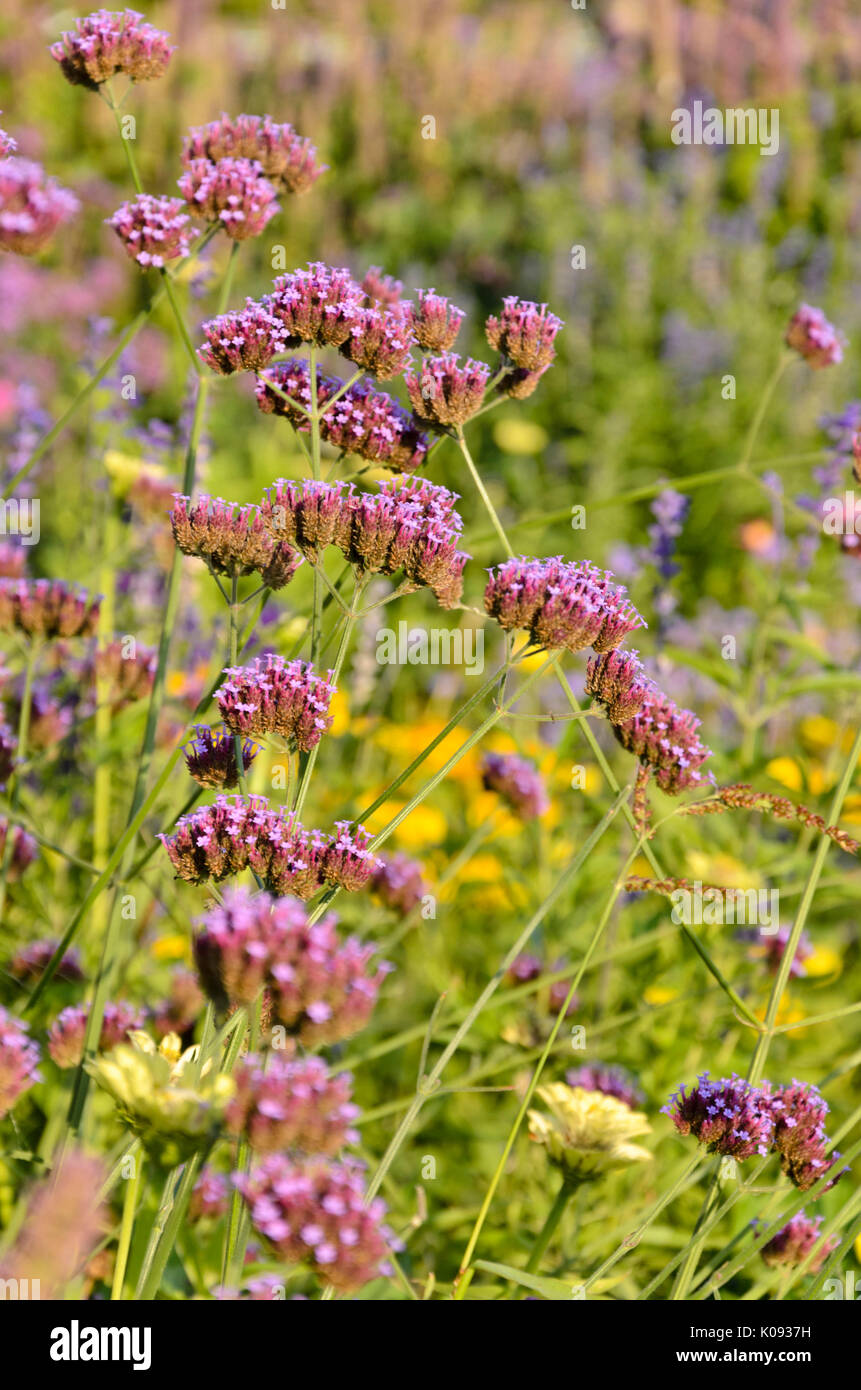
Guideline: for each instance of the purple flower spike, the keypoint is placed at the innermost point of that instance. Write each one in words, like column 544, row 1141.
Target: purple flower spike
column 617, row 681
column 292, row 1104
column 561, row 604
column 380, row 340
column 444, row 393
column 153, row 230
column 66, row 1034
column 799, row 1112
column 318, row 305
column 436, row 322
column 610, row 1081
column 232, row 194
column 274, row 696
column 285, row 157
column 232, row 540
column 211, row 757
column 19, row 1061
column 399, row 883
column 47, row 608
column 524, row 333
column 30, row 962
column 728, row 1116
column 32, row 207
column 108, row 42
column 210, row 1196
column 381, row 289
column 817, row 340
column 245, row 340
column 665, row 739
column 517, row 782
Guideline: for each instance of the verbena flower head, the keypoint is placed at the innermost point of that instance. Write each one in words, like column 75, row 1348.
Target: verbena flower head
column 245, row 340
column 232, row 540
column 232, row 193
column 210, row 1196
column 772, row 949
column 379, row 288
column 153, row 230
column 586, row 1133
column 665, row 739
column 112, row 41
column 8, row 745
column 7, row 145
column 292, row 1103
column 373, row 425
column 524, row 332
column 561, row 604
column 617, row 681
column 66, row 1034
column 19, row 1061
column 444, row 393
column 211, row 757
column 181, row 1010
column 310, row 515
column 320, row 988
column 518, row 383
column 175, row 1107
column 799, row 1112
column 315, row 1212
column 29, row 963
column 794, row 1241
column 274, row 696
column 728, row 1116
column 129, row 676
column 399, row 882
column 436, row 322
column 517, row 781
column 610, row 1081
column 64, row 1221
column 318, row 305
column 240, row 833
column 817, row 340
column 47, row 608
column 287, row 160
column 524, row 968
column 293, row 380
column 32, row 207
column 380, row 340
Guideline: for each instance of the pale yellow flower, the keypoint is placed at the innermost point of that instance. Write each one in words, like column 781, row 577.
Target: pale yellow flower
column 587, row 1133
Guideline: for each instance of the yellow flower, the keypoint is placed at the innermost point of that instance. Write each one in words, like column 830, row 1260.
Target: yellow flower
column 823, row 960
column 721, row 869
column 171, row 947
column 787, row 772
column 659, row 994
column 339, row 708
column 587, row 1133
column 787, row 1012
column 161, row 1095
column 424, row 828
column 514, row 435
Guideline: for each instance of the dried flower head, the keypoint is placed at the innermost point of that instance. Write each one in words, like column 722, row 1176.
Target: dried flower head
column 108, row 42
column 211, row 757
column 665, row 739
column 728, row 1116
column 232, row 540
column 445, row 394
column 32, row 207
column 817, row 340
column 794, row 1241
column 232, row 193
column 292, row 1103
column 517, row 781
column 19, row 1061
column 524, row 332
column 587, row 1133
column 287, row 160
column 66, row 1034
column 560, row 604
column 315, row 1212
column 617, row 681
column 153, row 230
column 436, row 322
column 47, row 608
column 274, row 696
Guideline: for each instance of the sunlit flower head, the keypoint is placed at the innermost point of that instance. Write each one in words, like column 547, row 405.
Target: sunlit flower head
column 587, row 1133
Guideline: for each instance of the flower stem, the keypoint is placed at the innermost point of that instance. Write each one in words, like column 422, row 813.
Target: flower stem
column 133, row 1186
column 548, row 1230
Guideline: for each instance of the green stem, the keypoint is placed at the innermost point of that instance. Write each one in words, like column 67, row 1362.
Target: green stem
column 476, row 477
column 548, row 1230
column 129, row 1207
column 20, row 757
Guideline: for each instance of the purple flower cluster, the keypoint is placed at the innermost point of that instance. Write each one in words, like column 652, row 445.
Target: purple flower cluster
column 7, row 145
column 610, row 1081
column 379, row 288
column 153, row 230
column 380, row 340
column 408, row 525
column 517, row 781
column 618, row 683
column 245, row 340
column 527, row 967
column 232, row 541
column 66, row 1034
column 8, row 745
column 665, row 740
column 817, row 340
column 47, row 608
column 561, row 604
column 29, row 963
column 443, row 393
column 319, row 305
column 32, row 206
column 319, row 987
column 240, row 833
column 108, row 42
column 794, row 1241
column 399, row 883
column 19, row 1061
column 524, row 333
column 129, row 677
column 315, row 1212
column 773, row 948
column 274, row 696
column 210, row 1196
column 292, row 1103
column 733, row 1117
column 211, row 757
column 287, row 160
column 232, row 193
column 436, row 322
column 362, row 421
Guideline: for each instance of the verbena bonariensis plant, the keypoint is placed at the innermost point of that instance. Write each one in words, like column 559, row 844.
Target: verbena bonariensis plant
column 233, row 1112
